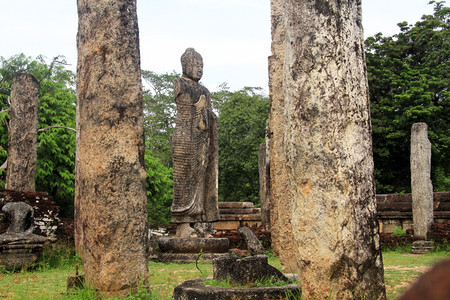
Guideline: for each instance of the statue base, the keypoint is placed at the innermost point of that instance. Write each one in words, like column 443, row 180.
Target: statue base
column 20, row 251
column 196, row 289
column 186, row 250
column 422, row 247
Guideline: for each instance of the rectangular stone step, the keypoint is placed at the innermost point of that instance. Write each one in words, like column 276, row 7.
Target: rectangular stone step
column 235, row 205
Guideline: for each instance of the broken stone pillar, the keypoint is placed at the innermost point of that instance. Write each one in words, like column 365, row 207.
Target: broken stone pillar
column 321, row 150
column 22, row 134
column 280, row 207
column 110, row 197
column 421, row 186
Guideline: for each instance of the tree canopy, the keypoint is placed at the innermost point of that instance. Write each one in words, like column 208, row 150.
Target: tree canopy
column 408, row 80
column 242, row 128
column 57, row 106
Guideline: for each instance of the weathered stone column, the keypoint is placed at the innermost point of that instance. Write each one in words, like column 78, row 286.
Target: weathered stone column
column 110, row 197
column 421, row 186
column 321, row 150
column 22, row 134
column 264, row 184
column 280, row 226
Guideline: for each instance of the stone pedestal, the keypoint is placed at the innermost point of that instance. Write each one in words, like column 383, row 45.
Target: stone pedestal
column 422, row 247
column 17, row 254
column 240, row 272
column 196, row 289
column 186, row 250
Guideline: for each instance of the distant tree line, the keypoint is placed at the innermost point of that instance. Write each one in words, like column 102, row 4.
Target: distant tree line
column 408, row 79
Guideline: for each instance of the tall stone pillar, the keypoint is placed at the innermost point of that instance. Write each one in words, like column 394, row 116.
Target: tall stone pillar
column 280, row 219
column 22, row 134
column 421, row 186
column 110, row 197
column 321, row 149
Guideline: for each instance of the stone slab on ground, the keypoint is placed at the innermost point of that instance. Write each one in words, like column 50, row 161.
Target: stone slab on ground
column 227, row 225
column 422, row 247
column 184, row 258
column 236, row 205
column 193, row 245
column 196, row 289
column 239, row 211
column 249, row 217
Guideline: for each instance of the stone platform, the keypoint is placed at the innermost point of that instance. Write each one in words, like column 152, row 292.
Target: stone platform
column 20, row 253
column 196, row 289
column 242, row 274
column 422, row 247
column 186, row 250
column 234, row 215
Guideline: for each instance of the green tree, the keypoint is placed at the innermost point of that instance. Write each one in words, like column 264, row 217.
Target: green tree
column 242, row 126
column 409, row 79
column 159, row 114
column 159, row 187
column 159, row 122
column 57, row 106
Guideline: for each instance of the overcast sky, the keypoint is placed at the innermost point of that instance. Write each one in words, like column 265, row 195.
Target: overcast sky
column 233, row 36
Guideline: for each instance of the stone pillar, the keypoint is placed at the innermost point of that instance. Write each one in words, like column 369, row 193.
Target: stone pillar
column 110, row 196
column 280, row 226
column 22, row 134
column 264, row 180
column 421, row 186
column 321, row 147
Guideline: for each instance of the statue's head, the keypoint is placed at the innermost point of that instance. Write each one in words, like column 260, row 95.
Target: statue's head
column 192, row 64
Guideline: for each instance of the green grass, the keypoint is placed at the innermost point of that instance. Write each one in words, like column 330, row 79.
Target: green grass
column 402, row 269
column 48, row 280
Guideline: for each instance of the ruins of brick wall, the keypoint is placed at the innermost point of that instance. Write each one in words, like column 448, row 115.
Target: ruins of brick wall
column 46, row 219
column 234, row 215
column 395, row 210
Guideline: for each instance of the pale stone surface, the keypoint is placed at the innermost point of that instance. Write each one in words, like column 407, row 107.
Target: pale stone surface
column 22, row 134
column 110, row 197
column 421, row 186
column 280, row 225
column 195, row 150
column 321, row 154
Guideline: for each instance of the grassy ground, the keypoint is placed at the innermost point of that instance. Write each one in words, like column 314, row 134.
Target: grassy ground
column 49, row 282
column 402, row 269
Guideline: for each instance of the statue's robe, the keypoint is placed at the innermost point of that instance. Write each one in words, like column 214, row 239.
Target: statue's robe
column 195, row 155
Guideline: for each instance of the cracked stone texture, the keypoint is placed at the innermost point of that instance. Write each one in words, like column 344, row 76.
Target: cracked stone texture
column 110, row 196
column 280, row 226
column 321, row 152
column 421, row 185
column 22, row 134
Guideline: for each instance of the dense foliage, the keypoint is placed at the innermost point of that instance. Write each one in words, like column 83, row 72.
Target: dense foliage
column 159, row 114
column 56, row 146
column 242, row 127
column 409, row 81
column 57, row 106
